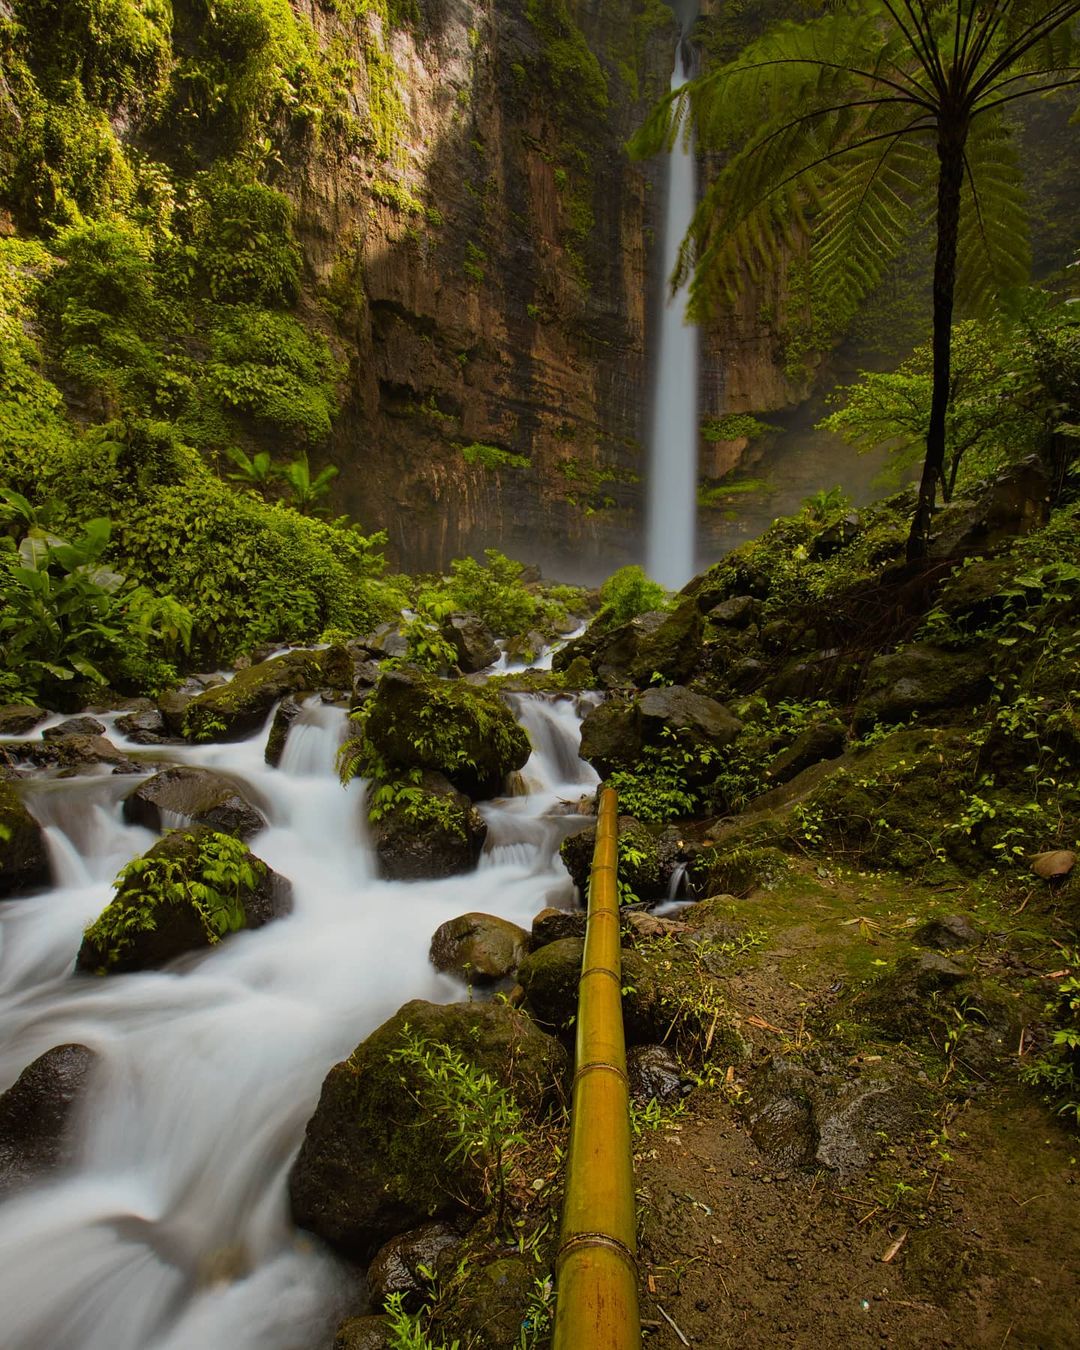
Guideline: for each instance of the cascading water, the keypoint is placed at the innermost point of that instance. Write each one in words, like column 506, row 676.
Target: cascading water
column 671, row 516
column 171, row 1230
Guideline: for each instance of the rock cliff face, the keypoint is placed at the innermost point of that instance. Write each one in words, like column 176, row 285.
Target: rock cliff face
column 488, row 277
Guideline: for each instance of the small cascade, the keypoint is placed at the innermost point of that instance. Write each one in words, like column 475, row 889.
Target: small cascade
column 171, row 1231
column 671, row 516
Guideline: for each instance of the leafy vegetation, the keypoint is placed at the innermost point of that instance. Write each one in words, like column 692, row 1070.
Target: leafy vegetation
column 859, row 114
column 213, row 884
column 628, row 593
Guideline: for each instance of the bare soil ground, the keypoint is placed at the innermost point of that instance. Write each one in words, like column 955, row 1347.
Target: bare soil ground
column 961, row 1230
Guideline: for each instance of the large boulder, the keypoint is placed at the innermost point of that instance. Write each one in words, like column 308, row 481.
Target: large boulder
column 23, row 860
column 427, row 831
column 75, row 754
column 921, row 678
column 193, row 888
column 465, row 732
column 144, row 726
column 480, row 948
column 549, row 977
column 377, row 1159
column 19, row 719
column 639, row 859
column 472, row 640
column 821, row 740
column 36, row 1113
column 615, row 734
column 182, row 795
column 665, row 642
column 74, row 726
column 230, row 712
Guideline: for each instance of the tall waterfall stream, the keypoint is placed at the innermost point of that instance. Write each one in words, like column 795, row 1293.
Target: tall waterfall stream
column 171, row 1230
column 673, row 439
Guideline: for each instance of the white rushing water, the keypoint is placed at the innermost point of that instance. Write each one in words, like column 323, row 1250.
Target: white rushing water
column 671, row 514
column 171, row 1230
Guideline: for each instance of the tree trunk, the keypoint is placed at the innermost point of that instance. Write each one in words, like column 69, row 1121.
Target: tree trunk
column 951, row 140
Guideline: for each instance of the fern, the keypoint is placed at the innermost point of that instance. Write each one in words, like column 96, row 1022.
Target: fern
column 836, row 134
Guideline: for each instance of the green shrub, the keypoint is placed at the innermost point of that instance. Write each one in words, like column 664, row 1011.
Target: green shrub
column 629, row 592
column 269, row 367
column 245, row 242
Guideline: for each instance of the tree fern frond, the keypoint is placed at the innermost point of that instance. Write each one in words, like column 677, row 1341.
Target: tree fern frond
column 993, row 252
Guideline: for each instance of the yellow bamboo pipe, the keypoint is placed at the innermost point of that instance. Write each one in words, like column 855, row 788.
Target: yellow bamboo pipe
column 596, row 1270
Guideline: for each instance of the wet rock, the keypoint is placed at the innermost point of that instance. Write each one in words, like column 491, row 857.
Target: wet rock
column 700, row 723
column 363, row 1333
column 472, row 640
column 823, row 740
column 910, row 997
column 336, row 669
column 365, row 675
column 77, row 754
column 611, row 736
column 196, row 797
column 1016, row 503
column 396, row 1268
column 550, row 978
column 921, row 678
column 639, row 860
column 823, row 1117
column 230, row 712
column 480, row 948
column 738, row 612
column 1059, row 862
column 469, row 733
column 821, row 673
column 664, row 641
column 145, row 726
column 173, row 705
column 498, row 1300
column 432, row 831
column 36, row 1114
column 154, row 916
column 835, row 537
column 552, row 924
column 19, row 719
column 374, row 1162
column 952, row 931
column 653, row 1071
column 287, row 713
column 23, row 860
column 74, row 726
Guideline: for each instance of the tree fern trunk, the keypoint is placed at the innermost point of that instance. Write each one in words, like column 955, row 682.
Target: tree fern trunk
column 950, row 180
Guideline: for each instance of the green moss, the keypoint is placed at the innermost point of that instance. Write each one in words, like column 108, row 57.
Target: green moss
column 570, row 68
column 735, row 427
column 492, row 457
column 400, row 198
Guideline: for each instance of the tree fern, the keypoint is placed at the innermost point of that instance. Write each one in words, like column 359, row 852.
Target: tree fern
column 834, row 134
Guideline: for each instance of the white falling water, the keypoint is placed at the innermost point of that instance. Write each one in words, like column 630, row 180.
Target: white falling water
column 171, row 1231
column 671, row 516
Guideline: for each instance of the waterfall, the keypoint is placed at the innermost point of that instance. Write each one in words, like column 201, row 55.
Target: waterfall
column 671, row 516
column 171, row 1231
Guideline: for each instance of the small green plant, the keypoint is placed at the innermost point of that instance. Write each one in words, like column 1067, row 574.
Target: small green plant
column 483, row 1122
column 306, row 490
column 406, row 1329
column 1056, row 1073
column 493, row 457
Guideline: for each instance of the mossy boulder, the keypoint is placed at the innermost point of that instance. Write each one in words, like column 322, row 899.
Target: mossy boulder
column 615, row 735
column 20, row 719
column 364, row 1333
column 472, row 640
column 399, row 1266
column 639, row 858
column 372, row 1163
column 490, row 1311
column 23, row 859
column 36, row 1114
column 230, row 712
column 550, row 978
column 480, row 948
column 463, row 731
column 664, row 642
column 428, row 831
column 921, row 678
column 190, row 890
column 192, row 796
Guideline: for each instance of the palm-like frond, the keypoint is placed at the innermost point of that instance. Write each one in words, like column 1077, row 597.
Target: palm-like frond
column 993, row 252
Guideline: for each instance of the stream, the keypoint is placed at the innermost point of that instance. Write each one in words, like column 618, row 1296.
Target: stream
column 171, row 1230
